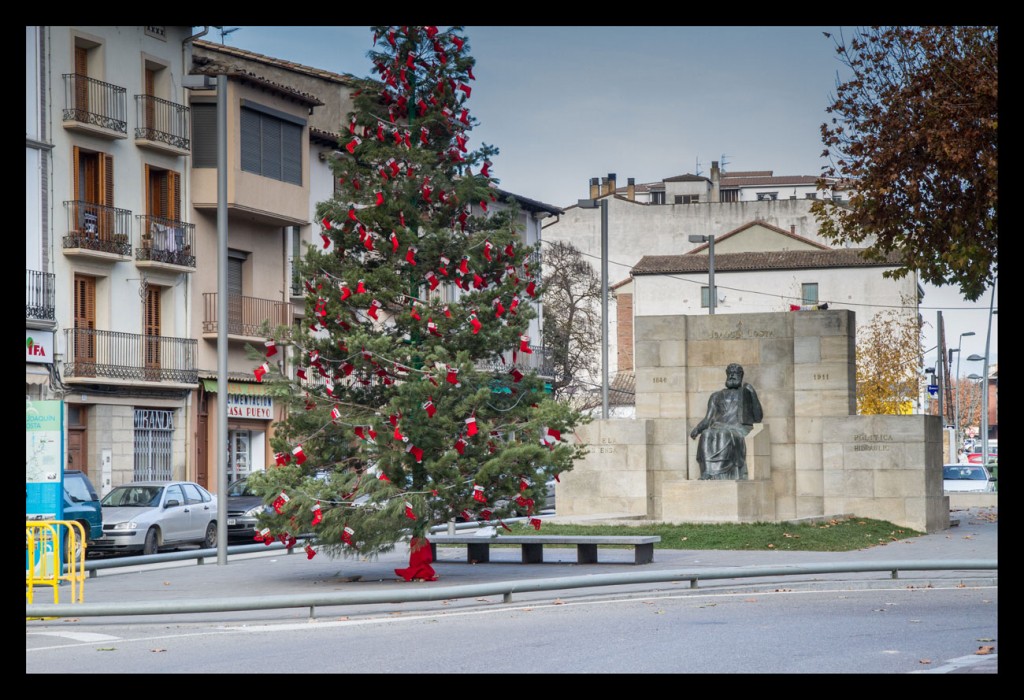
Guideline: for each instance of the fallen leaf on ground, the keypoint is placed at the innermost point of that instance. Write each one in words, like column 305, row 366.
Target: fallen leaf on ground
column 107, row 649
column 924, row 661
column 158, row 649
column 750, row 600
column 982, row 651
column 558, row 601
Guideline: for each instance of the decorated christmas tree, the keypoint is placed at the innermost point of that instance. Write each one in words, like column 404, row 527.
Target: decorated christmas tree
column 409, row 404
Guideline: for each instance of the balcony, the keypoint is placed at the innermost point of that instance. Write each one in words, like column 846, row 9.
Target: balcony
column 39, row 296
column 246, row 316
column 165, row 244
column 129, row 358
column 526, row 362
column 98, row 231
column 94, row 107
column 163, row 126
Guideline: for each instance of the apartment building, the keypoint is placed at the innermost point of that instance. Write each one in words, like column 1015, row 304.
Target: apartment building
column 110, row 252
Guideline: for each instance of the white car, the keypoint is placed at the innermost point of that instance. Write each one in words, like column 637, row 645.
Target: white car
column 967, row 477
column 145, row 516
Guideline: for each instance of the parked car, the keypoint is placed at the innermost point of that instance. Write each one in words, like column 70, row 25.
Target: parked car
column 146, row 516
column 975, row 456
column 244, row 506
column 82, row 505
column 967, row 477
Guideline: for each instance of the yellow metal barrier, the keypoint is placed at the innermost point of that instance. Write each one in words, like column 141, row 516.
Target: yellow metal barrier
column 43, row 555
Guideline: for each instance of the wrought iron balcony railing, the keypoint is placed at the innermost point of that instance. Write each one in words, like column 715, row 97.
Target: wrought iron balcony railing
column 245, row 314
column 162, row 121
column 39, row 295
column 166, row 241
column 536, row 360
column 91, row 101
column 98, row 227
column 113, row 355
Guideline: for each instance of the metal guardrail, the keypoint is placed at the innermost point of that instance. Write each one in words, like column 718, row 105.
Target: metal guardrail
column 504, row 588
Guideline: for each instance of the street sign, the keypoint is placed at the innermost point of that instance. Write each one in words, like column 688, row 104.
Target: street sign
column 933, row 389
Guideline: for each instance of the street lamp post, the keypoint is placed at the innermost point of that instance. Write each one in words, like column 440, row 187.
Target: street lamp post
column 956, row 388
column 985, row 383
column 712, row 294
column 603, row 205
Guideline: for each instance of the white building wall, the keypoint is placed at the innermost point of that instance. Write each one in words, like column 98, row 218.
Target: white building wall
column 862, row 290
column 636, row 230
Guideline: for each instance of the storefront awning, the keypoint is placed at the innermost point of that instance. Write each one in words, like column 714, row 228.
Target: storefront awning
column 238, row 388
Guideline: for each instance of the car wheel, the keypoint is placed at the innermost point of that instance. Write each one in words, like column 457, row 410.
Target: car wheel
column 210, row 540
column 152, row 542
column 72, row 549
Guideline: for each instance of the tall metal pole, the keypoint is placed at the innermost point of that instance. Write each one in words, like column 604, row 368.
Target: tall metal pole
column 713, row 302
column 604, row 308
column 956, row 388
column 222, row 315
column 940, row 363
column 985, row 382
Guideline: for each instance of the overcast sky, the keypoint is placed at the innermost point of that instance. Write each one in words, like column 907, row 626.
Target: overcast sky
column 569, row 103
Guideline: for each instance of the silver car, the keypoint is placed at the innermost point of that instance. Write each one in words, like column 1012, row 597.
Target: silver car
column 145, row 516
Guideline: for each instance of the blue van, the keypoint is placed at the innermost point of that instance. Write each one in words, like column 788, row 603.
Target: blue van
column 82, row 504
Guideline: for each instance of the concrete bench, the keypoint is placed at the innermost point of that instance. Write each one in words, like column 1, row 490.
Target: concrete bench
column 478, row 549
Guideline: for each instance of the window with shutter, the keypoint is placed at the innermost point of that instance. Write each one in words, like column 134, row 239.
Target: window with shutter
column 271, row 147
column 234, row 287
column 150, row 106
column 81, row 83
column 204, row 135
column 152, row 331
column 84, row 350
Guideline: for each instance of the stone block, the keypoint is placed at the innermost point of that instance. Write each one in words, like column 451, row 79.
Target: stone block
column 838, row 349
column 660, row 380
column 646, row 353
column 661, row 327
column 839, row 322
column 806, row 350
column 717, row 501
column 672, row 353
column 648, row 406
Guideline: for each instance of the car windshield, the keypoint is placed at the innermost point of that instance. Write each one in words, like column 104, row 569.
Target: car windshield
column 77, row 490
column 240, row 488
column 960, row 473
column 133, row 496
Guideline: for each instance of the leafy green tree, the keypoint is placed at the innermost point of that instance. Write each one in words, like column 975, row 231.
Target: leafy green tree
column 423, row 281
column 914, row 134
column 888, row 358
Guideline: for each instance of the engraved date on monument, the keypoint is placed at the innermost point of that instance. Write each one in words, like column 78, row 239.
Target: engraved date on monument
column 659, row 380
column 820, row 376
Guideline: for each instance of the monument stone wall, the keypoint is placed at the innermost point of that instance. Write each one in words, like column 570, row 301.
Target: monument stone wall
column 810, row 457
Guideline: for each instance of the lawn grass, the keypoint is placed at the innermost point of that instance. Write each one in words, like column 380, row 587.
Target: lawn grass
column 835, row 535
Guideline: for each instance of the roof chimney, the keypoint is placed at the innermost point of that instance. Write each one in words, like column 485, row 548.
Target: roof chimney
column 716, row 177
column 604, row 186
column 792, row 229
column 631, row 189
column 595, row 192
column 611, row 183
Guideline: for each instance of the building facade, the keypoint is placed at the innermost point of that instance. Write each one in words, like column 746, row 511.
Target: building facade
column 110, row 252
